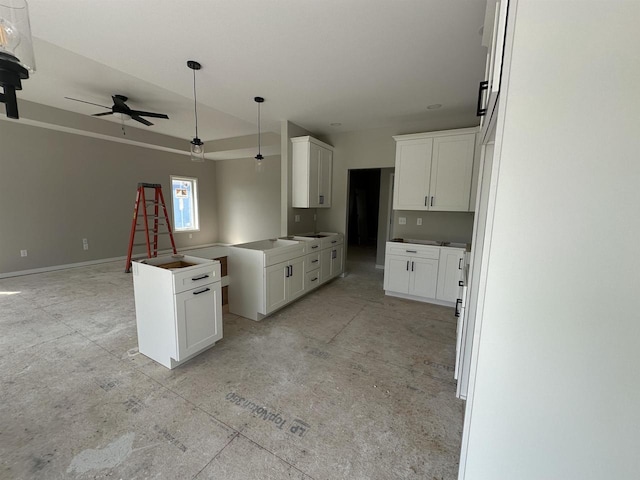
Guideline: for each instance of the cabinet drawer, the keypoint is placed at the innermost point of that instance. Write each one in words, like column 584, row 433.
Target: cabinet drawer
column 313, row 279
column 413, row 250
column 196, row 277
column 332, row 241
column 312, row 261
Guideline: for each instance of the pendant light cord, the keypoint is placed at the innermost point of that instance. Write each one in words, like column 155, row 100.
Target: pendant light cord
column 258, row 128
column 195, row 101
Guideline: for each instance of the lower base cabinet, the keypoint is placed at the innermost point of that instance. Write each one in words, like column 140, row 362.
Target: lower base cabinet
column 424, row 273
column 331, row 262
column 284, row 282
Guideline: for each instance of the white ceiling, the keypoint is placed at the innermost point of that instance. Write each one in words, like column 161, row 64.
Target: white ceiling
column 362, row 63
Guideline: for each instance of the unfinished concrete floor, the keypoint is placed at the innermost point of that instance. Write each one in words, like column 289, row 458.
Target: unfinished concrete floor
column 346, row 383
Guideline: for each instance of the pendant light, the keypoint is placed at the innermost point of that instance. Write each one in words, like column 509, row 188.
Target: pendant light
column 259, row 157
column 16, row 52
column 197, row 147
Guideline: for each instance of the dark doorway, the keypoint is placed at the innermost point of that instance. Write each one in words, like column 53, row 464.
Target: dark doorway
column 364, row 201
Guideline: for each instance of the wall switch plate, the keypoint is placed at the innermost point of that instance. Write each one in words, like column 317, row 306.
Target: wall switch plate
column 191, row 235
column 419, row 221
column 85, row 244
column 297, row 218
column 402, row 220
column 23, row 253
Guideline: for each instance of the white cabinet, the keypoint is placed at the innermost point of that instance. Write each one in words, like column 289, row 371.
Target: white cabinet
column 331, row 262
column 424, row 273
column 284, row 282
column 312, row 165
column 178, row 307
column 434, row 170
column 449, row 274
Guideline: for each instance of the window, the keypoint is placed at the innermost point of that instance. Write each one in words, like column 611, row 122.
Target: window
column 184, row 192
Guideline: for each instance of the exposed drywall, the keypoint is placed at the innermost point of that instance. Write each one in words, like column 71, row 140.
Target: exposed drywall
column 443, row 226
column 248, row 200
column 555, row 393
column 57, row 188
column 374, row 149
column 306, row 216
column 386, row 177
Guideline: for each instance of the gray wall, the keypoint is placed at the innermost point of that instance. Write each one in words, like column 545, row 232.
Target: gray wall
column 376, row 149
column 58, row 188
column 444, row 226
column 248, row 201
column 383, row 213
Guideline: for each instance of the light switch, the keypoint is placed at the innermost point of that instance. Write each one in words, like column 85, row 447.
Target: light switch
column 402, row 220
column 419, row 221
column 297, row 218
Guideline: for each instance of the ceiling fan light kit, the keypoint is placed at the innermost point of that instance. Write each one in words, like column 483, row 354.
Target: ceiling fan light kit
column 197, row 146
column 16, row 52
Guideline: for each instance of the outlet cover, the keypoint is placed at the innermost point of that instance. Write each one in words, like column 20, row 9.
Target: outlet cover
column 297, row 218
column 402, row 220
column 419, row 221
column 23, row 253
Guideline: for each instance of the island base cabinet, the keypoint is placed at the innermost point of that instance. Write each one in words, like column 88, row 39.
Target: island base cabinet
column 284, row 282
column 197, row 327
column 411, row 276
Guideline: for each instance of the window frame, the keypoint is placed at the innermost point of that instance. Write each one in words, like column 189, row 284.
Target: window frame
column 196, row 210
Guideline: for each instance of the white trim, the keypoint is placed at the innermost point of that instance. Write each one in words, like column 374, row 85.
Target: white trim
column 420, row 299
column 66, row 266
column 439, row 133
column 380, row 267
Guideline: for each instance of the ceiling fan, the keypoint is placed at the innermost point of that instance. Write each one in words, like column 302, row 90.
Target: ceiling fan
column 119, row 106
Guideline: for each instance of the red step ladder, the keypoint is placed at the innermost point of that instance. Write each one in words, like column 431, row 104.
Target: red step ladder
column 141, row 202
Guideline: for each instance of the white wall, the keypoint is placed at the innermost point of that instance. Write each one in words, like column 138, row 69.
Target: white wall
column 557, row 389
column 248, row 200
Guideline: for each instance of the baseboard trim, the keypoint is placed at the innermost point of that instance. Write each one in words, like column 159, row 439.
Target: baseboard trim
column 66, row 266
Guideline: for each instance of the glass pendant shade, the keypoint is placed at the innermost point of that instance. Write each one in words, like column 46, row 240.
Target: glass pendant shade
column 16, row 43
column 197, row 150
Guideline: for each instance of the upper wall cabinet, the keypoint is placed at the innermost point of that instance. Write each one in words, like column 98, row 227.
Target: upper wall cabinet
column 434, row 170
column 312, row 170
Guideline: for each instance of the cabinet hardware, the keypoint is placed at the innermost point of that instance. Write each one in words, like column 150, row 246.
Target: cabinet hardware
column 321, row 200
column 314, row 279
column 459, row 264
column 412, row 266
column 201, row 277
column 334, row 254
column 425, row 200
column 407, row 265
column 432, row 201
column 334, row 241
column 315, row 246
column 286, row 271
column 458, row 302
column 314, row 261
column 460, row 283
column 290, row 268
column 201, row 291
column 412, row 251
column 483, row 87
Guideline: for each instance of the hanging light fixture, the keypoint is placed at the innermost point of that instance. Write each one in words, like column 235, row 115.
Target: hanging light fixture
column 197, row 147
column 16, row 52
column 259, row 157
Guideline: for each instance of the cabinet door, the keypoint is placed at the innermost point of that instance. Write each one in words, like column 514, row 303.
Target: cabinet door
column 275, row 286
column 315, row 153
column 324, row 177
column 423, row 278
column 325, row 264
column 198, row 319
column 449, row 274
column 451, row 169
column 336, row 260
column 396, row 273
column 295, row 282
column 413, row 172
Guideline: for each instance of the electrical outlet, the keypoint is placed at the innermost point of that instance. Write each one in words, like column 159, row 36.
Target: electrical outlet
column 85, row 244
column 402, row 220
column 419, row 221
column 191, row 235
column 297, row 218
column 23, row 253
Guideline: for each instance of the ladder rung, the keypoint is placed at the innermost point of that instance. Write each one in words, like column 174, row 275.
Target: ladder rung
column 151, row 233
column 149, row 185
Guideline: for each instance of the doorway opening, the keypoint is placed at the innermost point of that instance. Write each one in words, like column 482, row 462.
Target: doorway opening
column 363, row 215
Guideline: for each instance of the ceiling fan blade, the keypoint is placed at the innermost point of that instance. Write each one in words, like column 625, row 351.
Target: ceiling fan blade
column 141, row 120
column 149, row 114
column 102, row 114
column 90, row 103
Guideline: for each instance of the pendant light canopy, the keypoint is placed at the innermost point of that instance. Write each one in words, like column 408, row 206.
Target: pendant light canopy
column 259, row 157
column 16, row 52
column 197, row 147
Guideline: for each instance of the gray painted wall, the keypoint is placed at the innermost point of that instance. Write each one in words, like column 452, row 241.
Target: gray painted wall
column 443, row 226
column 248, row 201
column 57, row 188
